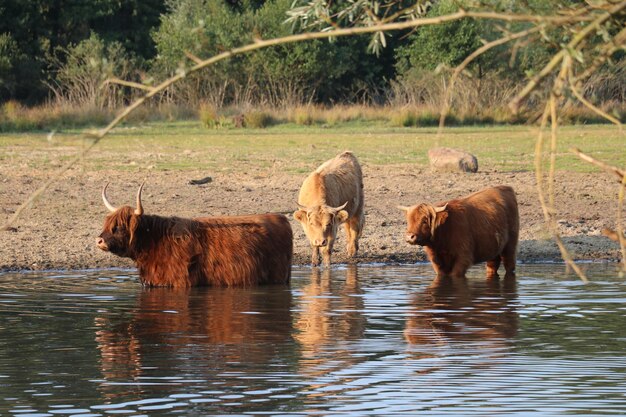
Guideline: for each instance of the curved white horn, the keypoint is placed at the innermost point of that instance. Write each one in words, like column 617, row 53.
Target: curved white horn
column 336, row 209
column 403, row 208
column 108, row 205
column 440, row 209
column 139, row 209
column 305, row 208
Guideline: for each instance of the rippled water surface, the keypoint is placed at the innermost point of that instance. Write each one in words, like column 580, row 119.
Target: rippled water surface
column 360, row 341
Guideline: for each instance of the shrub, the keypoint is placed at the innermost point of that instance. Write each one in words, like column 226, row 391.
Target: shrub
column 208, row 115
column 258, row 119
column 403, row 118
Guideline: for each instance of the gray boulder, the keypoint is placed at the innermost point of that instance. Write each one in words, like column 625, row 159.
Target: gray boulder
column 447, row 159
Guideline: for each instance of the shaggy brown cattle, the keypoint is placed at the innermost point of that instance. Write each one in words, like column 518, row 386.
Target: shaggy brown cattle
column 214, row 251
column 329, row 196
column 483, row 226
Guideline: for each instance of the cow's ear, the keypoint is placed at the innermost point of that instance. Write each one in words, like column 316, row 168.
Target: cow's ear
column 341, row 216
column 441, row 218
column 437, row 218
column 300, row 215
column 132, row 227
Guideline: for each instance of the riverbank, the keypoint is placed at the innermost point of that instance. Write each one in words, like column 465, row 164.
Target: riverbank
column 59, row 231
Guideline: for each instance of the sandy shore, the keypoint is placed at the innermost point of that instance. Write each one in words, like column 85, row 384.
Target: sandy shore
column 59, row 231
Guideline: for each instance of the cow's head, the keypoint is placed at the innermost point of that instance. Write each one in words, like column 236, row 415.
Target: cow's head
column 320, row 222
column 120, row 226
column 422, row 222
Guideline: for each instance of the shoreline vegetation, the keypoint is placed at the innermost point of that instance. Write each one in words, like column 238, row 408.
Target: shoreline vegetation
column 15, row 117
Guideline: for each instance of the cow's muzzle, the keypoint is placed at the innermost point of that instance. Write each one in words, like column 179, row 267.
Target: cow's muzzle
column 102, row 244
column 411, row 238
column 320, row 242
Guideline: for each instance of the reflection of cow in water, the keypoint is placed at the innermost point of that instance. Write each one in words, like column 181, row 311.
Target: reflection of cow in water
column 194, row 332
column 330, row 314
column 458, row 310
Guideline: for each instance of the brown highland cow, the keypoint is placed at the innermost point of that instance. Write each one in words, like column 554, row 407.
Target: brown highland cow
column 212, row 251
column 482, row 227
column 329, row 196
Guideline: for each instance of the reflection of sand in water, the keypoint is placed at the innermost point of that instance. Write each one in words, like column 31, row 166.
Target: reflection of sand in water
column 460, row 310
column 331, row 314
column 174, row 327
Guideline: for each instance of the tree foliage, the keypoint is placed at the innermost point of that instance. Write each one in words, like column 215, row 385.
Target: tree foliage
column 315, row 70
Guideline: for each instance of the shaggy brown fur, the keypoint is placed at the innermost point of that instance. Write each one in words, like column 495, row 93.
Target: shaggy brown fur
column 329, row 196
column 482, row 227
column 214, row 251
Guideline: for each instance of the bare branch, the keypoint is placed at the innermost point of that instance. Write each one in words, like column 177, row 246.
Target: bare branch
column 478, row 52
column 114, row 80
column 618, row 42
column 558, row 57
column 620, row 173
column 192, row 57
column 620, row 231
column 37, row 193
column 595, row 109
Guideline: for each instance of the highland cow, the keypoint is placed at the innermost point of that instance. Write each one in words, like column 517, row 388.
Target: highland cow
column 329, row 196
column 482, row 227
column 207, row 251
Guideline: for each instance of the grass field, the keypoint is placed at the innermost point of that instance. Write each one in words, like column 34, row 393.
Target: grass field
column 188, row 145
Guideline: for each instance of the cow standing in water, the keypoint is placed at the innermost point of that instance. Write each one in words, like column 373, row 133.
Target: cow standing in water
column 330, row 196
column 211, row 251
column 482, row 227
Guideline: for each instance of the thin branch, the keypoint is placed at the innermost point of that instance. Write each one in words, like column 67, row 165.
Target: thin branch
column 620, row 231
column 618, row 42
column 620, row 173
column 35, row 195
column 595, row 109
column 478, row 52
column 192, row 57
column 114, row 80
column 558, row 57
column 554, row 97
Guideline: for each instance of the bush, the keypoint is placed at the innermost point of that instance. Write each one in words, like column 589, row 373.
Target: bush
column 82, row 69
column 258, row 119
column 208, row 115
column 403, row 118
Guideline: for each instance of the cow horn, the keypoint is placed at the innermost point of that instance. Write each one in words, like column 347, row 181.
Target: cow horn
column 106, row 201
column 305, row 208
column 403, row 208
column 139, row 209
column 440, row 209
column 336, row 209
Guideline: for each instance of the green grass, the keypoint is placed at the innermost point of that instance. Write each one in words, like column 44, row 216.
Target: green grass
column 297, row 149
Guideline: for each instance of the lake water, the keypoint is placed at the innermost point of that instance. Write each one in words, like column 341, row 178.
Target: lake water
column 367, row 340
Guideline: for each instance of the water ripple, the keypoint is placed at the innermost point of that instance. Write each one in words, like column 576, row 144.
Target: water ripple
column 376, row 340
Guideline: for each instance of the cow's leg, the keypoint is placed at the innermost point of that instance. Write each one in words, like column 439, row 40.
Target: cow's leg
column 509, row 258
column 460, row 268
column 326, row 251
column 353, row 231
column 315, row 256
column 436, row 263
column 349, row 238
column 492, row 267
column 439, row 271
